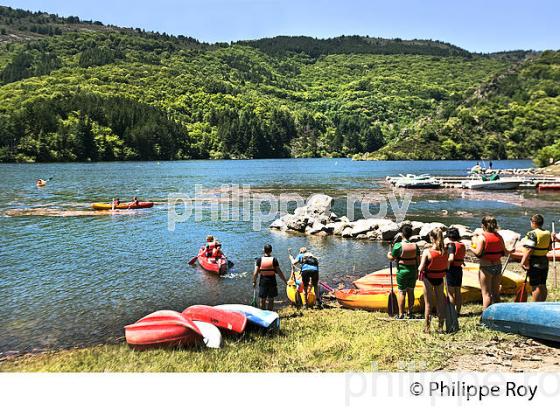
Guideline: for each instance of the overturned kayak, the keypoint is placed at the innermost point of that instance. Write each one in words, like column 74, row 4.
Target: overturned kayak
column 211, row 335
column 98, row 206
column 371, row 299
column 262, row 318
column 163, row 329
column 536, row 320
column 548, row 187
column 218, row 266
column 224, row 319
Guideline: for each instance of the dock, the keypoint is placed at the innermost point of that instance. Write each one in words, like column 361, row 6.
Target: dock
column 530, row 181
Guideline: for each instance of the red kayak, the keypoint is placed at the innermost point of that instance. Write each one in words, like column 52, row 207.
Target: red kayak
column 164, row 328
column 518, row 254
column 232, row 321
column 548, row 187
column 210, row 264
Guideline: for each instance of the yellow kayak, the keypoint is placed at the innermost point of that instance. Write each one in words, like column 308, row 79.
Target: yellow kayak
column 106, row 207
column 372, row 299
column 511, row 281
column 293, row 292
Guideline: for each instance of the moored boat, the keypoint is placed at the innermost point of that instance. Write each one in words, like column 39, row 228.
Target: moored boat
column 548, row 187
column 536, row 320
column 411, row 181
column 496, row 185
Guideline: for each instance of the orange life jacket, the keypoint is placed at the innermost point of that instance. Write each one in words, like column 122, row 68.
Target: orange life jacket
column 267, row 266
column 437, row 268
column 409, row 254
column 493, row 247
column 460, row 251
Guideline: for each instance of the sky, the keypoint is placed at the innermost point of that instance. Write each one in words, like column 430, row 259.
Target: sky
column 476, row 25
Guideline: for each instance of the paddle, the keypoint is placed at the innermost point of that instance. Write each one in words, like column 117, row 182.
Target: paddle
column 555, row 283
column 327, row 287
column 254, row 300
column 451, row 317
column 193, row 260
column 392, row 304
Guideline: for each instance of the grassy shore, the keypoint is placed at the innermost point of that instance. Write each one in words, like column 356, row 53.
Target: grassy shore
column 329, row 340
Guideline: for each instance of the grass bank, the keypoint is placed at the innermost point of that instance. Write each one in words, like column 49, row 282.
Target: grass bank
column 329, row 340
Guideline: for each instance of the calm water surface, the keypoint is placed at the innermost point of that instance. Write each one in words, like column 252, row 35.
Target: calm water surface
column 68, row 277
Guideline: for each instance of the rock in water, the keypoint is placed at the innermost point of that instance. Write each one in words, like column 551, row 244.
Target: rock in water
column 427, row 228
column 320, row 204
column 278, row 224
column 295, row 223
column 388, row 230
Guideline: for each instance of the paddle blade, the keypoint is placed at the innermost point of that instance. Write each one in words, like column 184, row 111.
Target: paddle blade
column 392, row 304
column 254, row 300
column 193, row 260
column 521, row 294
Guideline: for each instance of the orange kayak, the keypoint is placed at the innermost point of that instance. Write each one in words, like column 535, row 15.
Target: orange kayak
column 518, row 254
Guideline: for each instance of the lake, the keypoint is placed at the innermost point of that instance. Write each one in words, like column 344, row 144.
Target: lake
column 69, row 276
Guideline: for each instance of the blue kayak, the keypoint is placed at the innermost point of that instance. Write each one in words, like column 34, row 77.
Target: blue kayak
column 536, row 320
column 259, row 317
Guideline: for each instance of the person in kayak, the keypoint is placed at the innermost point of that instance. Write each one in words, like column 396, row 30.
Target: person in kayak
column 309, row 265
column 537, row 243
column 456, row 251
column 489, row 248
column 217, row 251
column 433, row 267
column 267, row 267
column 135, row 201
column 210, row 245
column 115, row 203
column 407, row 256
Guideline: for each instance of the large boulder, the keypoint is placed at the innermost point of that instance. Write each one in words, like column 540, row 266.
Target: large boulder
column 464, row 231
column 427, row 228
column 339, row 227
column 510, row 237
column 363, row 226
column 417, row 227
column 388, row 230
column 347, row 232
column 295, row 223
column 278, row 224
column 320, row 204
column 315, row 228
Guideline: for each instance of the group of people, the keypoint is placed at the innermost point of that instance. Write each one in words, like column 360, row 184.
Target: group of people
column 444, row 260
column 116, row 202
column 439, row 265
column 213, row 248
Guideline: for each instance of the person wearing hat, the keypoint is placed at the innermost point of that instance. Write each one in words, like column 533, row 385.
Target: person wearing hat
column 309, row 265
column 454, row 277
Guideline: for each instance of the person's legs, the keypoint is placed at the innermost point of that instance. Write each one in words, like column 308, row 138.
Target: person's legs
column 440, row 305
column 496, row 285
column 262, row 303
column 538, row 278
column 315, row 282
column 400, row 301
column 428, row 297
column 410, row 293
column 485, row 288
column 270, row 304
column 457, row 298
column 306, row 279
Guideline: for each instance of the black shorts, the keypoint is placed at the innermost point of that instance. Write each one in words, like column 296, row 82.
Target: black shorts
column 268, row 289
column 537, row 276
column 435, row 281
column 455, row 276
column 310, row 275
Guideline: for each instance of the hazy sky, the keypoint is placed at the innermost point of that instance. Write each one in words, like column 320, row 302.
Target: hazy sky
column 477, row 25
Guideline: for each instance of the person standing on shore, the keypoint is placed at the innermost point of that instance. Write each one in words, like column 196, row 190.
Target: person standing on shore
column 489, row 248
column 267, row 267
column 456, row 250
column 407, row 256
column 433, row 267
column 537, row 243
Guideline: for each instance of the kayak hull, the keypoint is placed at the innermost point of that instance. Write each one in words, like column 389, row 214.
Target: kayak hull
column 549, row 187
column 518, row 254
column 371, row 299
column 535, row 320
column 162, row 329
column 231, row 321
column 107, row 207
column 218, row 266
column 296, row 294
column 262, row 318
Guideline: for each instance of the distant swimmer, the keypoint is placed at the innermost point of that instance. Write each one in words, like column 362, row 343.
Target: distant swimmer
column 40, row 183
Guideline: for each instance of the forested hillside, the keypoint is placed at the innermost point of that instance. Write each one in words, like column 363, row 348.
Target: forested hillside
column 78, row 91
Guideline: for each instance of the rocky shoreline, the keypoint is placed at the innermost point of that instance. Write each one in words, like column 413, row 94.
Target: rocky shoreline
column 316, row 219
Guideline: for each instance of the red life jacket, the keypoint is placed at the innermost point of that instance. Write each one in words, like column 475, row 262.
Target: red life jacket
column 210, row 247
column 409, row 255
column 460, row 251
column 493, row 247
column 267, row 266
column 437, row 267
